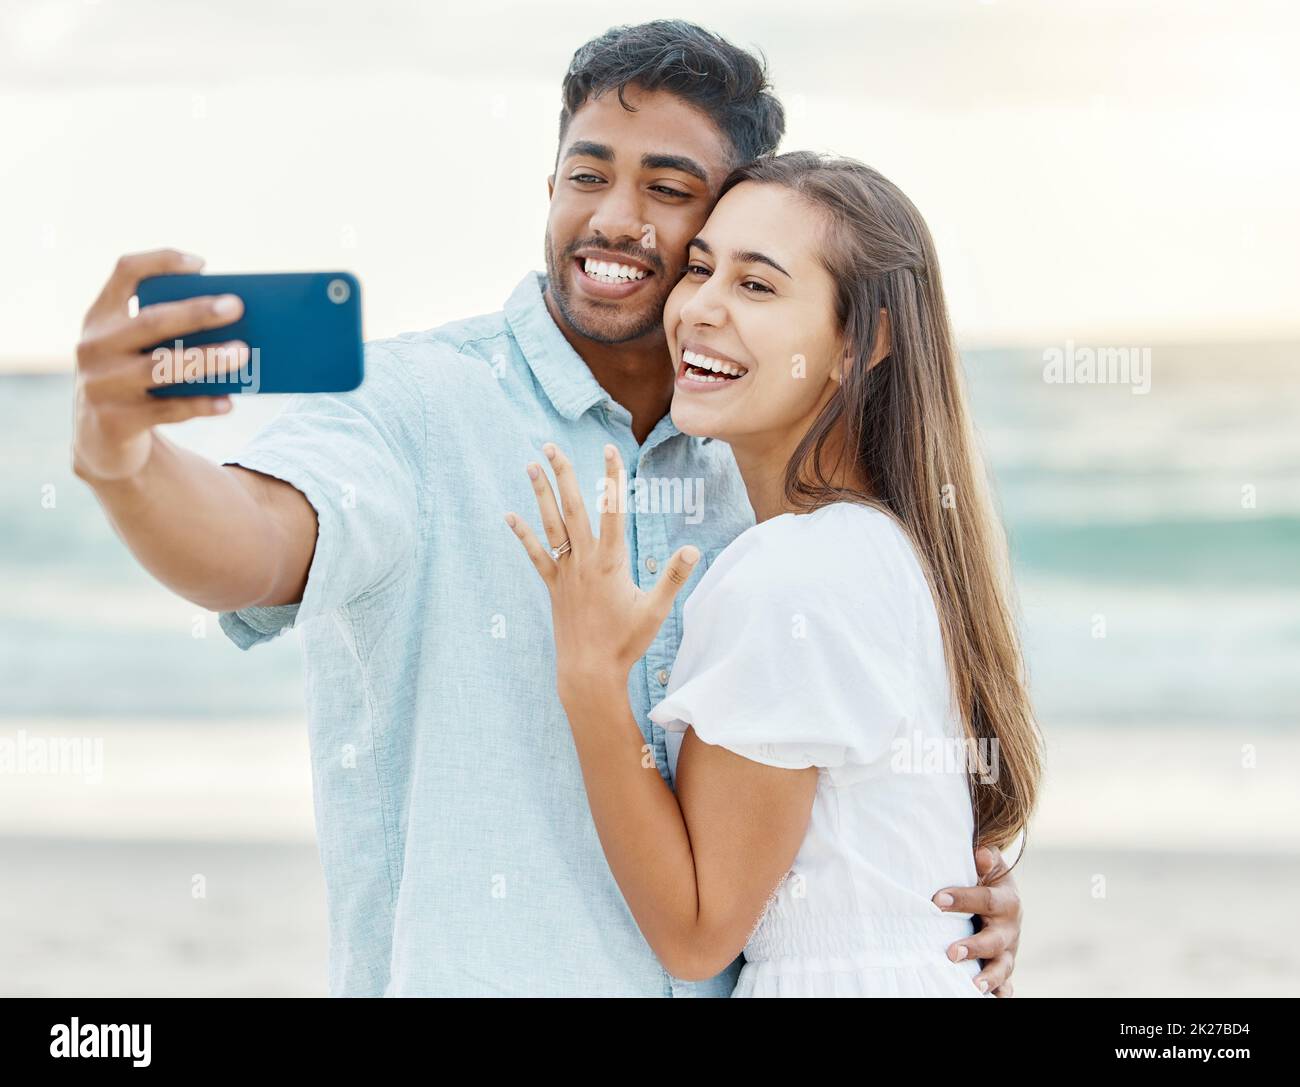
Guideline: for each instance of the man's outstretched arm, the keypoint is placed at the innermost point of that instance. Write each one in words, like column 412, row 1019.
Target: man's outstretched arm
column 996, row 902
column 222, row 537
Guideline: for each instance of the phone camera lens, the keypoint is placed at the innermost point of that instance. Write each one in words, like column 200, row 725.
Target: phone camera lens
column 339, row 291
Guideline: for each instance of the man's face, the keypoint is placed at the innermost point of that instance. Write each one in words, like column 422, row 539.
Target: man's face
column 631, row 189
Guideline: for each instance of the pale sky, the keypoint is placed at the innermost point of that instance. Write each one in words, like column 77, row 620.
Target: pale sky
column 1090, row 171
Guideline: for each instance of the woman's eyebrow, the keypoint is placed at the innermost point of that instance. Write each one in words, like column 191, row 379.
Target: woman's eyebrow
column 741, row 256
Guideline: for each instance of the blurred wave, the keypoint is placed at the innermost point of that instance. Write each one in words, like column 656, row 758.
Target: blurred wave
column 1155, row 538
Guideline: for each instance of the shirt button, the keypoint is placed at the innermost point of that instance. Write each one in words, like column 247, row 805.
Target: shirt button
column 662, row 676
column 651, row 565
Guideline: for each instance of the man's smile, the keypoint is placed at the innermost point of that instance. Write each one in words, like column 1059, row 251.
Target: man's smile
column 609, row 275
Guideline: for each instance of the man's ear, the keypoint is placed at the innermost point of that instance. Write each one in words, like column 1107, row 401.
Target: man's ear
column 550, row 187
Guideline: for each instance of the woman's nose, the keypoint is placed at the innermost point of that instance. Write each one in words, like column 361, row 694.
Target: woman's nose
column 704, row 307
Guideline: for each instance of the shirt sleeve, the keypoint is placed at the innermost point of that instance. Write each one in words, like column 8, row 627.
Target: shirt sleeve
column 791, row 668
column 358, row 458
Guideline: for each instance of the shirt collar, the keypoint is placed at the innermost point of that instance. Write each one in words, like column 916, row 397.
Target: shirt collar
column 561, row 371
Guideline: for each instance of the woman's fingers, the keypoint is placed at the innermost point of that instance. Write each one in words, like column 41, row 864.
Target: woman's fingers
column 552, row 522
column 575, row 513
column 675, row 575
column 540, row 556
column 612, row 502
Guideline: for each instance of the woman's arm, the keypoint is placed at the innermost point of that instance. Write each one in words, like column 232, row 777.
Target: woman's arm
column 697, row 868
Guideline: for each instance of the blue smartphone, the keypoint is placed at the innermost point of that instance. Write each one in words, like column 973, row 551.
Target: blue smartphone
column 303, row 330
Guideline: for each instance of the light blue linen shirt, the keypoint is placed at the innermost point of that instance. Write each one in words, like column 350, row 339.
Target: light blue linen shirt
column 459, row 853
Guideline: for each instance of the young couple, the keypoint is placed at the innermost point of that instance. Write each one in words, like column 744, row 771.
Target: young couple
column 733, row 797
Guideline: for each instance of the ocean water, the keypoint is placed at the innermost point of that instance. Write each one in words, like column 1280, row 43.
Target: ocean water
column 1155, row 540
column 1155, row 536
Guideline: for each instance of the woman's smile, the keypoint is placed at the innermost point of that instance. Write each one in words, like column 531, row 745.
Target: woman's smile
column 706, row 369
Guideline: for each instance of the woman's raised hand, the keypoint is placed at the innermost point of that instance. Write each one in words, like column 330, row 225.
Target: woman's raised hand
column 604, row 622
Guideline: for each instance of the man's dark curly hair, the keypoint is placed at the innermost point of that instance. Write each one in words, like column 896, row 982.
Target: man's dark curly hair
column 726, row 83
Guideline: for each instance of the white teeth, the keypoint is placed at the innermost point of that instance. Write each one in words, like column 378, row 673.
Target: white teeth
column 606, row 272
column 704, row 362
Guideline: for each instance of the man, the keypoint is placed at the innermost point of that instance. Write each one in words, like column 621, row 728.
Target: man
column 458, row 848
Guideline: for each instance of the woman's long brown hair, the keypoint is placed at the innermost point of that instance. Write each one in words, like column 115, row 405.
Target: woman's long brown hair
column 905, row 419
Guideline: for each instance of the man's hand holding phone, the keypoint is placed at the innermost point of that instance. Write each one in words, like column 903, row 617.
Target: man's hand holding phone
column 222, row 536
column 117, row 363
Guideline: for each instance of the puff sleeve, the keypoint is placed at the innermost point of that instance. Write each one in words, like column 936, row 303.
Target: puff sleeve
column 793, row 662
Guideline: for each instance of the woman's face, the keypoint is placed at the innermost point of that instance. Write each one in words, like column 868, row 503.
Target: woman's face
column 756, row 302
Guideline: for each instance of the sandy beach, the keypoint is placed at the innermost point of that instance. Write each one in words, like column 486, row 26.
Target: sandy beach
column 1152, row 870
column 118, row 919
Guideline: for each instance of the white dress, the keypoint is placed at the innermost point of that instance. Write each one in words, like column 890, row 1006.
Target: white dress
column 813, row 640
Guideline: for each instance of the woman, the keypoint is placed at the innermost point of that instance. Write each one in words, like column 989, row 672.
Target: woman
column 839, row 653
